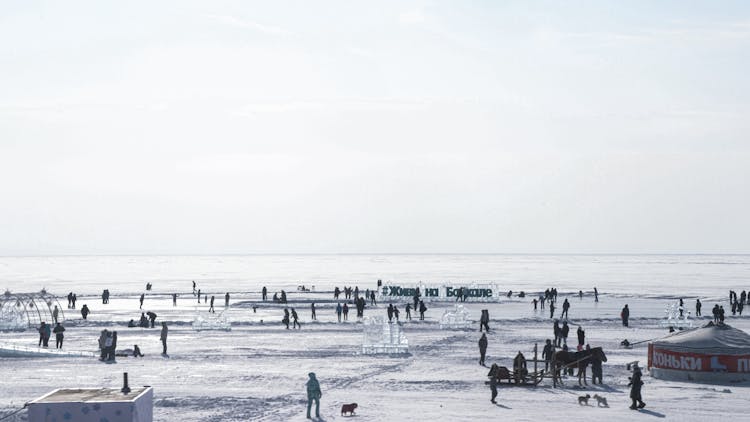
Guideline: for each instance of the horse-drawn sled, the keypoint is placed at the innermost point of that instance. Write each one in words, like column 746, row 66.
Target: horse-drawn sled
column 520, row 377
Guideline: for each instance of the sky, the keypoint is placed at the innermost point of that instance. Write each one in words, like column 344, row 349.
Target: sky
column 225, row 127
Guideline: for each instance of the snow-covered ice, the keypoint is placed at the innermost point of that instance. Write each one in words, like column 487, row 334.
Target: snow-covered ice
column 257, row 371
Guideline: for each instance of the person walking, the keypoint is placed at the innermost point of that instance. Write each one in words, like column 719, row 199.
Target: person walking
column 565, row 306
column 625, row 315
column 285, row 320
column 596, row 295
column 174, row 299
column 482, row 348
column 484, row 321
column 143, row 296
column 59, row 329
column 389, row 311
column 493, row 386
column 635, row 385
column 193, row 287
column 163, row 337
column 264, row 294
column 199, row 296
column 295, row 318
column 313, row 394
column 551, row 309
column 85, row 311
column 312, row 311
column 55, row 314
column 372, row 298
column 422, row 310
column 408, row 311
column 226, row 300
column 395, row 313
column 211, row 307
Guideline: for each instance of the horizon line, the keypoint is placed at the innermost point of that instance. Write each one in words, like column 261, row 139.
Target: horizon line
column 80, row 255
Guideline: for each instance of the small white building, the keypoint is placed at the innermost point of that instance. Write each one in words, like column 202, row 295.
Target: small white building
column 93, row 405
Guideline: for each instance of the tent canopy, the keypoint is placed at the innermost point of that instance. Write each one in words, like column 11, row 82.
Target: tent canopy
column 711, row 338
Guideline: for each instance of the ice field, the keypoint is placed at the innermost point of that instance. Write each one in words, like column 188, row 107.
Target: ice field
column 257, row 371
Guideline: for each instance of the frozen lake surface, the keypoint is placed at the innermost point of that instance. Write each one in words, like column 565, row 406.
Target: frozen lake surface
column 257, row 370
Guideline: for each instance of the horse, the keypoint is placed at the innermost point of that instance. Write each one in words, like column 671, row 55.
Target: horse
column 564, row 359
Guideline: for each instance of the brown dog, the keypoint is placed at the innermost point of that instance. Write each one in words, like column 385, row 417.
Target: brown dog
column 348, row 408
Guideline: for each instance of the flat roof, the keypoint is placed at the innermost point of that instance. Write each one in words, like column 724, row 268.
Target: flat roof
column 89, row 395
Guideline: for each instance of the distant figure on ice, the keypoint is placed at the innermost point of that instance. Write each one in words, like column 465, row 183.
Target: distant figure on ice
column 151, row 318
column 199, row 295
column 580, row 295
column 422, row 310
column 285, row 320
column 283, row 296
column 721, row 314
column 635, row 385
column 564, row 331
column 346, row 312
column 596, row 367
column 581, row 336
column 625, row 314
column 75, row 298
column 59, row 329
column 557, row 331
column 163, row 337
column 313, row 394
column 226, row 300
column 566, row 306
column 55, row 314
column 105, row 297
column 484, row 321
column 137, row 351
column 264, row 294
column 482, row 348
column 551, row 309
column 493, row 382
column 44, row 334
column 111, row 344
column 211, row 307
column 85, row 311
column 715, row 312
column 547, row 352
column 534, row 301
column 312, row 311
column 408, row 311
column 596, row 295
column 338, row 311
column 416, row 299
column 143, row 295
column 193, row 287
column 389, row 311
column 336, row 292
column 70, row 300
column 174, row 299
column 143, row 323
column 295, row 318
column 372, row 298
column 698, row 306
column 205, row 298
column 395, row 312
column 148, row 286
column 103, row 344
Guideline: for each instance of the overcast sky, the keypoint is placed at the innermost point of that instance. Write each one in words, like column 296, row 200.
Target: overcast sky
column 353, row 127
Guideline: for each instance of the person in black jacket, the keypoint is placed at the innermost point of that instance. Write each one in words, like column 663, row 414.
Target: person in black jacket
column 547, row 352
column 625, row 315
column 564, row 332
column 59, row 335
column 581, row 336
column 482, row 349
column 635, row 385
column 85, row 311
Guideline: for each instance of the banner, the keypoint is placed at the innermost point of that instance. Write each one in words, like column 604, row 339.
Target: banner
column 447, row 292
column 698, row 362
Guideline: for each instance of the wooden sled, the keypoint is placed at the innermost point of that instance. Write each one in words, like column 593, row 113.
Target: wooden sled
column 514, row 378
